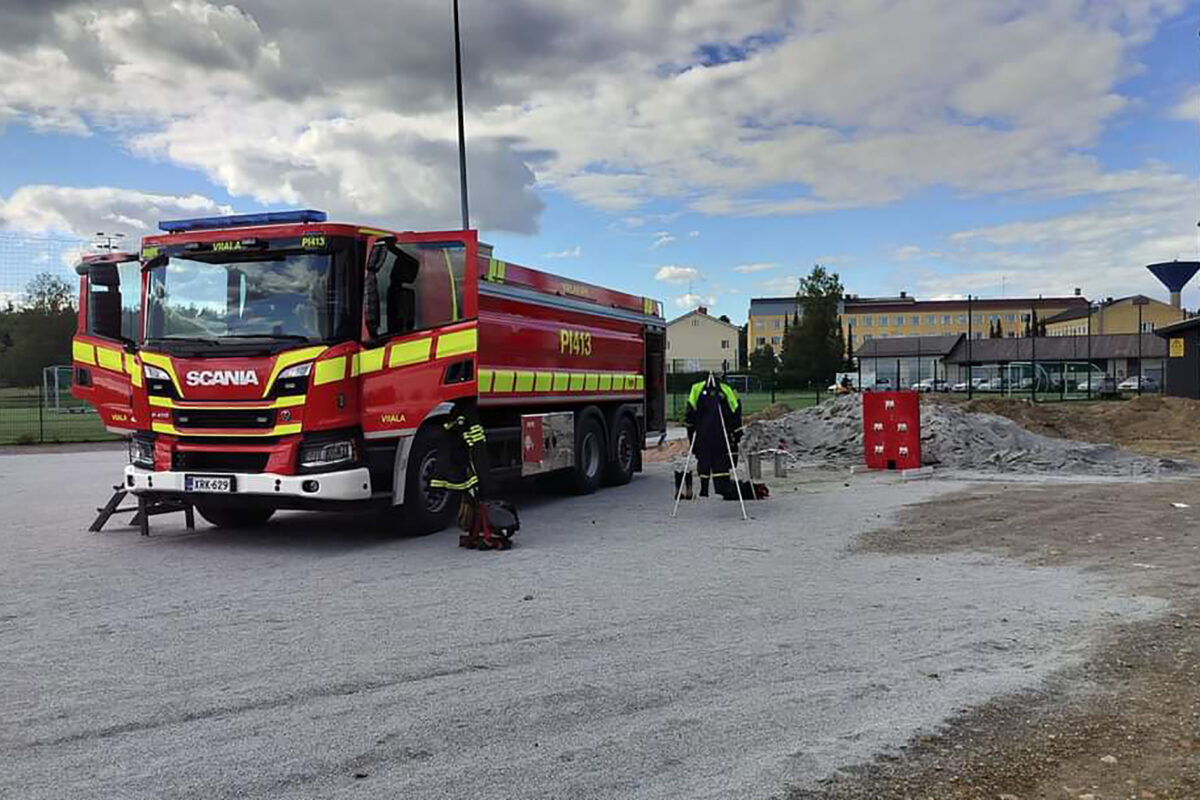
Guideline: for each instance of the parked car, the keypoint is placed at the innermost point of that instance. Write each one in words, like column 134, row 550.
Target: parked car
column 994, row 385
column 978, row 384
column 931, row 385
column 1130, row 384
column 1097, row 384
column 883, row 384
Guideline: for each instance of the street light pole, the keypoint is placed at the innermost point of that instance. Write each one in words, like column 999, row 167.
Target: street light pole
column 462, row 139
column 1140, row 301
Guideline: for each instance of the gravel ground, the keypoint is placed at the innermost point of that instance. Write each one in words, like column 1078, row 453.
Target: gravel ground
column 614, row 653
column 953, row 438
column 1125, row 723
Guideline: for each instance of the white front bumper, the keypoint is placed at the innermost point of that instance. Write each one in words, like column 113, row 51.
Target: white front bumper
column 351, row 484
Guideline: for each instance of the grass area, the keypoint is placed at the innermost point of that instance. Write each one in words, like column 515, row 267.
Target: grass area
column 753, row 402
column 21, row 422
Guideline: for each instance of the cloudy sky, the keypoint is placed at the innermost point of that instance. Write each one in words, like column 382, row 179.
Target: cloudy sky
column 693, row 150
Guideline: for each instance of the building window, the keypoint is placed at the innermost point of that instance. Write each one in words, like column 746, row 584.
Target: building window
column 866, row 321
column 945, row 319
column 978, row 335
column 1147, row 327
column 774, row 340
column 993, row 317
column 916, row 320
column 1010, row 317
column 695, row 322
column 775, row 323
column 962, row 319
column 866, row 337
column 883, row 335
column 724, row 344
column 930, row 320
column 883, row 321
column 761, row 340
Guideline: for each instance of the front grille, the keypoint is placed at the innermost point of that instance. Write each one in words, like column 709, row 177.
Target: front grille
column 206, row 461
column 225, row 418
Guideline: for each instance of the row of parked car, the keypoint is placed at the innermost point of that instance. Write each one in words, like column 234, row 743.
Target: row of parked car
column 1096, row 384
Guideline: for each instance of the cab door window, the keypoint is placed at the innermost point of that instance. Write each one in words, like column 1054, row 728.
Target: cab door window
column 413, row 287
column 114, row 301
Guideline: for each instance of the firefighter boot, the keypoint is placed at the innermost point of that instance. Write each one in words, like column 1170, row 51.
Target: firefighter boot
column 723, row 487
column 704, row 486
column 687, row 484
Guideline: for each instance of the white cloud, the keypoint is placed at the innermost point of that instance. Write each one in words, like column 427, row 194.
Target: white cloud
column 782, row 285
column 83, row 212
column 693, row 234
column 1102, row 249
column 661, row 238
column 570, row 252
column 285, row 103
column 912, row 252
column 757, row 266
column 1189, row 107
column 690, row 300
column 671, row 273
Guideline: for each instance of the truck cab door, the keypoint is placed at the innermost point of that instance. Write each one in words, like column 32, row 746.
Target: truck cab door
column 105, row 366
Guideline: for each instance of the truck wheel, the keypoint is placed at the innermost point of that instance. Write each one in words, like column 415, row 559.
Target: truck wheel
column 590, row 456
column 624, row 456
column 227, row 517
column 426, row 509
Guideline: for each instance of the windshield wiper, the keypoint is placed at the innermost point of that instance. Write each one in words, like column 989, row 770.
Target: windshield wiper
column 288, row 337
column 188, row 339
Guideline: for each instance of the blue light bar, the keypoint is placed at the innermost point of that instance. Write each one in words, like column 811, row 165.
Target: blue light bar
column 241, row 220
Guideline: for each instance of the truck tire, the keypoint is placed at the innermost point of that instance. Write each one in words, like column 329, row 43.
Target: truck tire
column 590, row 455
column 623, row 461
column 426, row 510
column 232, row 517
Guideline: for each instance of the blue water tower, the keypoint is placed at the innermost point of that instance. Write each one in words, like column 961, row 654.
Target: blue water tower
column 1175, row 275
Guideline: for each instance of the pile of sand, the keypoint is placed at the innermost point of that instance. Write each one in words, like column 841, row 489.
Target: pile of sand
column 953, row 437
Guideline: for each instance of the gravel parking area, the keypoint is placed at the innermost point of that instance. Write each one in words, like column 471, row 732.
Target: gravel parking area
column 613, row 653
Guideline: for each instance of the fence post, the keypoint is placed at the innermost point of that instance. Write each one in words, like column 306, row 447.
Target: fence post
column 41, row 420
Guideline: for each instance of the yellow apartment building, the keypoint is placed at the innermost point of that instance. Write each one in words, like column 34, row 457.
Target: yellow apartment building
column 1115, row 316
column 867, row 318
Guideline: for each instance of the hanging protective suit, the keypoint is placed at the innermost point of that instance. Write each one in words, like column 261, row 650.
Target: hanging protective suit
column 714, row 421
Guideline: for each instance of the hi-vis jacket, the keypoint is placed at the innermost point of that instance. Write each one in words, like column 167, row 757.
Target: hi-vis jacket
column 709, row 405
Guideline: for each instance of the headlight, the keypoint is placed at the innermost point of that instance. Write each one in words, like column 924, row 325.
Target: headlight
column 141, row 453
column 155, row 374
column 321, row 454
column 298, row 371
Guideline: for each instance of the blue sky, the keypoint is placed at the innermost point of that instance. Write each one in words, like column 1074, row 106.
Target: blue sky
column 677, row 149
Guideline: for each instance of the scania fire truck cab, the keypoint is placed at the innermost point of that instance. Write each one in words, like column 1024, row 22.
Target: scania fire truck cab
column 268, row 361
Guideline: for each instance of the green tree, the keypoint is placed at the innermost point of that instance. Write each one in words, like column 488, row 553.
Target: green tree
column 815, row 345
column 48, row 292
column 764, row 365
column 999, row 330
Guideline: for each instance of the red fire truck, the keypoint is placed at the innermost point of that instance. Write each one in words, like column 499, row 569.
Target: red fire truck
column 267, row 361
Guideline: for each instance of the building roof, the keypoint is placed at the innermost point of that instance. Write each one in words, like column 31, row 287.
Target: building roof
column 1057, row 348
column 1177, row 327
column 855, row 300
column 1081, row 312
column 775, row 306
column 704, row 314
column 982, row 303
column 907, row 346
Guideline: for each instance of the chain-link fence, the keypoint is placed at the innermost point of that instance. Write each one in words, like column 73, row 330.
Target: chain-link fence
column 37, row 319
column 756, row 391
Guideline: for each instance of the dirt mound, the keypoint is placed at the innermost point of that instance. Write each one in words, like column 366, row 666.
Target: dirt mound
column 951, row 436
column 773, row 411
column 665, row 452
column 1151, row 424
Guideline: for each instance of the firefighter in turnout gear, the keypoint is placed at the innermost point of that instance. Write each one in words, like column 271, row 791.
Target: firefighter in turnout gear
column 488, row 524
column 714, row 412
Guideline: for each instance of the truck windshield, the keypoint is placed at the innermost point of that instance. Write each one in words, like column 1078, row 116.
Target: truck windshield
column 287, row 296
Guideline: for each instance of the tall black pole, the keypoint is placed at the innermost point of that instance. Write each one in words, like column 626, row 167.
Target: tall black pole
column 970, row 364
column 462, row 139
column 1141, row 370
column 1033, row 354
column 1089, row 349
